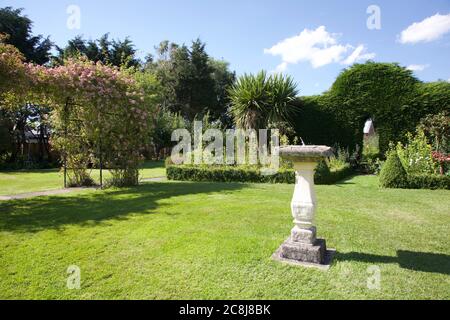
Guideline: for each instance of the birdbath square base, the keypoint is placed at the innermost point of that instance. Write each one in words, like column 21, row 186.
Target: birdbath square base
column 306, row 255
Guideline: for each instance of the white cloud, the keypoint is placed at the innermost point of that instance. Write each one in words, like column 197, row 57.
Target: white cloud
column 359, row 54
column 317, row 47
column 417, row 67
column 281, row 67
column 429, row 29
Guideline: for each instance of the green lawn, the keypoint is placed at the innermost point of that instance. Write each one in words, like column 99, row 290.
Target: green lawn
column 168, row 240
column 15, row 182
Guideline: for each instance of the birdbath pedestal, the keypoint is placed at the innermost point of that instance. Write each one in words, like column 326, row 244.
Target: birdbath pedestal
column 303, row 247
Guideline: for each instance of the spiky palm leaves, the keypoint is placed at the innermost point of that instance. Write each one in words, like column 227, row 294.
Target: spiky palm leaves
column 261, row 99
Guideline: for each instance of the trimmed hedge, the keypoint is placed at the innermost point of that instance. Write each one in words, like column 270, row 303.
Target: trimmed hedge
column 428, row 182
column 240, row 174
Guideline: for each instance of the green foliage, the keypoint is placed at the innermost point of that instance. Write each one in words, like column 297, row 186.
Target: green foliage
column 428, row 181
column 18, row 28
column 163, row 121
column 385, row 92
column 79, row 178
column 94, row 107
column 12, row 73
column 223, row 79
column 371, row 147
column 317, row 124
column 430, row 98
column 249, row 174
column 6, row 141
column 258, row 100
column 437, row 129
column 392, row 174
column 415, row 155
column 119, row 53
column 381, row 91
column 412, row 166
column 322, row 171
column 371, row 166
column 192, row 82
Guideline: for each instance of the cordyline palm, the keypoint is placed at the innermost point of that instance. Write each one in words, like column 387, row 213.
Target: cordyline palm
column 259, row 100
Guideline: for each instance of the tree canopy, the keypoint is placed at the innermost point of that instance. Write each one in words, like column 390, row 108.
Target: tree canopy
column 110, row 52
column 193, row 83
column 18, row 28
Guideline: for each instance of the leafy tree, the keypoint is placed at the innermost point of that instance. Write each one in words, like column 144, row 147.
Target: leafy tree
column 201, row 84
column 18, row 27
column 223, row 80
column 258, row 100
column 163, row 121
column 193, row 83
column 17, row 115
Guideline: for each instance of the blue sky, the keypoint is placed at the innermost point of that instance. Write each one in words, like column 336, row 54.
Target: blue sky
column 315, row 38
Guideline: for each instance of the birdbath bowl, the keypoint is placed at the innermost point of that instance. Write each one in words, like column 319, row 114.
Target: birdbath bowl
column 303, row 247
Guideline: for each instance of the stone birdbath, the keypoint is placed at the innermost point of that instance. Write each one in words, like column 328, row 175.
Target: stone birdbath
column 303, row 247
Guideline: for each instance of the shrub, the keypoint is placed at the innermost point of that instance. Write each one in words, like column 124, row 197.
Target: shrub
column 371, row 166
column 257, row 100
column 392, row 174
column 80, row 178
column 371, row 150
column 322, row 173
column 437, row 129
column 416, row 155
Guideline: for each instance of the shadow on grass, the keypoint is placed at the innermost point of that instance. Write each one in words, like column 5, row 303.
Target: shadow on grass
column 14, row 172
column 411, row 260
column 55, row 212
column 344, row 181
column 152, row 164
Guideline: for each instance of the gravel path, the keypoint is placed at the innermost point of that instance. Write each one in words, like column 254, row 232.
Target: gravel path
column 41, row 193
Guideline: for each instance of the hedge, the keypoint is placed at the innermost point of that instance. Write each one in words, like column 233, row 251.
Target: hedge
column 428, row 182
column 386, row 92
column 242, row 174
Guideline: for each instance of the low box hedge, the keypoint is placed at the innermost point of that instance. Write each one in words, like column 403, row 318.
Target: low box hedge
column 243, row 174
column 428, row 182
